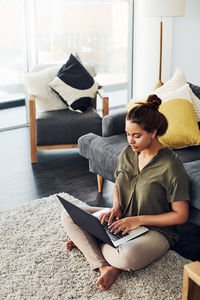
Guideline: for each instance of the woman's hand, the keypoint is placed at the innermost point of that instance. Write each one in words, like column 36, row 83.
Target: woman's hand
column 114, row 212
column 125, row 224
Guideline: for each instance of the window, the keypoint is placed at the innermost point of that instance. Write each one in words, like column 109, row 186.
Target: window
column 13, row 49
column 95, row 30
column 47, row 31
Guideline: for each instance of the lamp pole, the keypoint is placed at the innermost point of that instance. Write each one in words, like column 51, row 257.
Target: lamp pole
column 160, row 83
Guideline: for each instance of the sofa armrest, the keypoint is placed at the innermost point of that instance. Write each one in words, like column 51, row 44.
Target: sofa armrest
column 114, row 123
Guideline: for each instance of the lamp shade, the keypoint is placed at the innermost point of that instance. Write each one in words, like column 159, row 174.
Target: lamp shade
column 162, row 8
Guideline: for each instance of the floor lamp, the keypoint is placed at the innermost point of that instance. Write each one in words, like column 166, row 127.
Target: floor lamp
column 162, row 8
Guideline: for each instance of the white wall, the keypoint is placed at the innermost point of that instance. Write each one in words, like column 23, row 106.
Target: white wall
column 186, row 42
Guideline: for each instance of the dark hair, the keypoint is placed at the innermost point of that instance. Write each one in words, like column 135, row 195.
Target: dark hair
column 147, row 115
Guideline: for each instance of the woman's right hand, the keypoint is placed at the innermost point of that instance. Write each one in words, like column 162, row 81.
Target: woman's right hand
column 114, row 212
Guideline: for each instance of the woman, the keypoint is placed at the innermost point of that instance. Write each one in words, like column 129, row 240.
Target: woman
column 151, row 189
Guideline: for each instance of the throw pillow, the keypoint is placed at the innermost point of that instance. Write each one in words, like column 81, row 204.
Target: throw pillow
column 37, row 80
column 181, row 93
column 75, row 85
column 195, row 89
column 177, row 81
column 183, row 128
column 37, row 84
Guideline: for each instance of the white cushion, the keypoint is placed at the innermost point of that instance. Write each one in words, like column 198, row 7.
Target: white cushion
column 37, row 84
column 177, row 81
column 181, row 93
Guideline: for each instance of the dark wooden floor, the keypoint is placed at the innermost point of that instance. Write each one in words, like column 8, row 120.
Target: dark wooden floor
column 61, row 171
column 56, row 171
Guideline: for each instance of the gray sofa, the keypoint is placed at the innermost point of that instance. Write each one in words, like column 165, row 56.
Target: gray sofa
column 103, row 152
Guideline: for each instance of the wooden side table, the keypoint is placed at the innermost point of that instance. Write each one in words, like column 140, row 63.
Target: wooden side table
column 191, row 281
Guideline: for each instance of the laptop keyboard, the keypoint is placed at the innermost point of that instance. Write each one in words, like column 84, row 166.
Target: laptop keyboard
column 113, row 236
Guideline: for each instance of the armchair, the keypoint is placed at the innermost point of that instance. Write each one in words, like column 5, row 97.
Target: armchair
column 61, row 129
column 62, row 105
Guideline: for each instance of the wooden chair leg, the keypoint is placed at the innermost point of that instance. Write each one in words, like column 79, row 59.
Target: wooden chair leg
column 100, row 181
column 32, row 125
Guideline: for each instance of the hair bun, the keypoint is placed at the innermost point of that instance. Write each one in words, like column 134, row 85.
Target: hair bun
column 154, row 100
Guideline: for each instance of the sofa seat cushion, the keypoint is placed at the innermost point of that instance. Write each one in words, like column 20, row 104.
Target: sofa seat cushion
column 102, row 152
column 65, row 126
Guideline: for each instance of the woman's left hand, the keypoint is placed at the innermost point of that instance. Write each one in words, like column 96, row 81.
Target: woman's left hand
column 125, row 224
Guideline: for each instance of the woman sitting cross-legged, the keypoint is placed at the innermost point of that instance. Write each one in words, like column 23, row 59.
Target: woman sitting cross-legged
column 151, row 189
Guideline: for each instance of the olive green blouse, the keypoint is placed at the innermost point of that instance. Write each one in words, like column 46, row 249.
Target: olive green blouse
column 150, row 191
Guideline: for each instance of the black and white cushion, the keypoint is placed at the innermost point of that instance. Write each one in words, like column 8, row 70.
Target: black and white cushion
column 74, row 85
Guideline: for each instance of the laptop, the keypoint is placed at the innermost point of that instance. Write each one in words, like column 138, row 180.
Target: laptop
column 91, row 224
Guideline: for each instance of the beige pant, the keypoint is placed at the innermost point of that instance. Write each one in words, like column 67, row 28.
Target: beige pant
column 132, row 255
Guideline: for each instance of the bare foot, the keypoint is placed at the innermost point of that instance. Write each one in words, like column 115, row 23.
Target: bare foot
column 108, row 276
column 70, row 245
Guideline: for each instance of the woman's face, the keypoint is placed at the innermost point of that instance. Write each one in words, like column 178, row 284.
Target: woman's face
column 138, row 138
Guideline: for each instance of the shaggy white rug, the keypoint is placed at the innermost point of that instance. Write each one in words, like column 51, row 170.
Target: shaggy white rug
column 35, row 265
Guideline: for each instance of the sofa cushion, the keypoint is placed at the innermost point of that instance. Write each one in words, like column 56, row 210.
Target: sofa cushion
column 65, row 126
column 181, row 93
column 37, row 84
column 75, row 85
column 195, row 89
column 183, row 127
column 178, row 80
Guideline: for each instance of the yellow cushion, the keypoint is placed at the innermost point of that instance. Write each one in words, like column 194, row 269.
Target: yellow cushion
column 183, row 127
